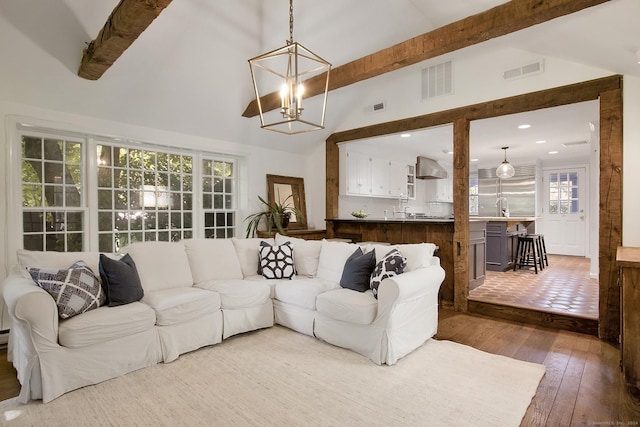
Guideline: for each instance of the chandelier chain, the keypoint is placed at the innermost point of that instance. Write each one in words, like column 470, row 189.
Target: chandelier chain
column 291, row 21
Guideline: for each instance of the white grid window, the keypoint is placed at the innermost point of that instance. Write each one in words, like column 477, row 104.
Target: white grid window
column 143, row 195
column 53, row 213
column 136, row 193
column 563, row 193
column 218, row 193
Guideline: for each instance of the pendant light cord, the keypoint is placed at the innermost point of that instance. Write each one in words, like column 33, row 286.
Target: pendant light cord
column 290, row 21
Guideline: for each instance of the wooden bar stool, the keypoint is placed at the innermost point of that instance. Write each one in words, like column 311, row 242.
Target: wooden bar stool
column 528, row 253
column 543, row 250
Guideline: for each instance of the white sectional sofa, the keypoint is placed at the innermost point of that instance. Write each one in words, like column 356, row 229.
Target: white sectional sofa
column 198, row 293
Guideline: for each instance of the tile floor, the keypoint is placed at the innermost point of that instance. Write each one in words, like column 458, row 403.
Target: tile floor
column 563, row 287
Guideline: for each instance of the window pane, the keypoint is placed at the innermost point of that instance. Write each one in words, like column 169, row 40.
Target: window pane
column 32, row 195
column 53, row 173
column 72, row 196
column 53, row 149
column 105, row 242
column 105, row 221
column 74, row 242
column 31, row 171
column 31, row 147
column 105, row 177
column 33, row 242
column 73, row 153
column 74, row 221
column 33, row 222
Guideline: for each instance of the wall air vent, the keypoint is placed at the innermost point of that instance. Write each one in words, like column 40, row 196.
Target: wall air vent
column 376, row 108
column 437, row 80
column 525, row 70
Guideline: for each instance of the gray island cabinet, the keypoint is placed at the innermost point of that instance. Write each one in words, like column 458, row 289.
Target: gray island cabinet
column 502, row 239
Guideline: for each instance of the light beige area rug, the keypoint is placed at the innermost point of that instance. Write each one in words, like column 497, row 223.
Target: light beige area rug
column 277, row 377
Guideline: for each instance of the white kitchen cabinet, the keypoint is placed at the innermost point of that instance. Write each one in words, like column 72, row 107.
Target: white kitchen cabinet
column 380, row 176
column 358, row 173
column 397, row 178
column 445, row 189
column 377, row 176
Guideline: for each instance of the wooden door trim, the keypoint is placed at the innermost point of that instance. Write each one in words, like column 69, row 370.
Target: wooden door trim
column 608, row 90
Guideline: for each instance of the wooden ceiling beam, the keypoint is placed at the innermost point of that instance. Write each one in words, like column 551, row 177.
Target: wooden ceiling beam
column 127, row 21
column 501, row 20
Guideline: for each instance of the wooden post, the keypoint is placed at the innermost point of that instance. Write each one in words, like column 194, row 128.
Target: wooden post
column 461, row 213
column 610, row 211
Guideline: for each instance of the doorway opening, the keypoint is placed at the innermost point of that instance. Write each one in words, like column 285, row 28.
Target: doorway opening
column 551, row 195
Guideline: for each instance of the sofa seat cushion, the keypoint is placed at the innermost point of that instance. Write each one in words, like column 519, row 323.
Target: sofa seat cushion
column 302, row 292
column 181, row 304
column 235, row 294
column 104, row 324
column 349, row 306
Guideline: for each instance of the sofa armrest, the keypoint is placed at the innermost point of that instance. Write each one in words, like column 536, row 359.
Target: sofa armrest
column 410, row 285
column 31, row 304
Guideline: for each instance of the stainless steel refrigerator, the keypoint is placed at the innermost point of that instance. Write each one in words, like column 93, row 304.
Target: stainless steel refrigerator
column 519, row 191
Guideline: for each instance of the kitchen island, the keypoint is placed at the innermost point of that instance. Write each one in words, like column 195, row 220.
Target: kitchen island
column 502, row 237
column 402, row 230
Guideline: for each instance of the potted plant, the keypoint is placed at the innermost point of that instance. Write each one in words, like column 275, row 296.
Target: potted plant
column 275, row 215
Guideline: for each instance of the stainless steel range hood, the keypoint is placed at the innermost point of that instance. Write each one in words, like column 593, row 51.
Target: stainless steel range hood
column 429, row 169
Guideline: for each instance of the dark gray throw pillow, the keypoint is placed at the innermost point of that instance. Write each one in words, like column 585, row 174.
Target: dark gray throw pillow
column 357, row 270
column 122, row 283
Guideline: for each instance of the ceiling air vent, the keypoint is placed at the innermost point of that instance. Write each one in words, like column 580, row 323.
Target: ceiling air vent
column 570, row 144
column 437, row 80
column 525, row 70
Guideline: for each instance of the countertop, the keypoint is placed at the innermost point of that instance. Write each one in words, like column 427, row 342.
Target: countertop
column 505, row 219
column 394, row 220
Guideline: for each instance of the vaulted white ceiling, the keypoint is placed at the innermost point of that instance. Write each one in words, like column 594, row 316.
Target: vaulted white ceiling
column 188, row 71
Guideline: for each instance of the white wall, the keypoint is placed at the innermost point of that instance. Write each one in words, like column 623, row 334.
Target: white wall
column 630, row 169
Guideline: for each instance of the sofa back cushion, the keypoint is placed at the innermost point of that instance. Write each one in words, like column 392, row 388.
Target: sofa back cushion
column 161, row 265
column 248, row 252
column 212, row 259
column 333, row 256
column 55, row 260
column 419, row 255
column 306, row 254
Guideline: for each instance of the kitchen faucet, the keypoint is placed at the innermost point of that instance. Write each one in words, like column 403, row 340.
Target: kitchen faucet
column 504, row 208
column 402, row 210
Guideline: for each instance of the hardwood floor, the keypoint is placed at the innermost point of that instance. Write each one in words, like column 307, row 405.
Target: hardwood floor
column 9, row 385
column 582, row 386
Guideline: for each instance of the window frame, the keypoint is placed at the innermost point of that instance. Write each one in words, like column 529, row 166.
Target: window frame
column 89, row 143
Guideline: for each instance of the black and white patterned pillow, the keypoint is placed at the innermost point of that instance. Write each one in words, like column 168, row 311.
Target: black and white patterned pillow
column 276, row 262
column 75, row 290
column 391, row 265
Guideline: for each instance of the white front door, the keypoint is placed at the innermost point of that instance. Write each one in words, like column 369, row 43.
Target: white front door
column 564, row 216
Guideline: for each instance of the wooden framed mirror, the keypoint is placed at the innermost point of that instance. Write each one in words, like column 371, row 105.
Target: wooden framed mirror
column 279, row 188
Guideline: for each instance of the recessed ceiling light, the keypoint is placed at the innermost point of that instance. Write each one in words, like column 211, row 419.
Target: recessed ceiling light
column 474, row 160
column 542, row 141
column 553, row 152
column 525, row 126
column 405, row 135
